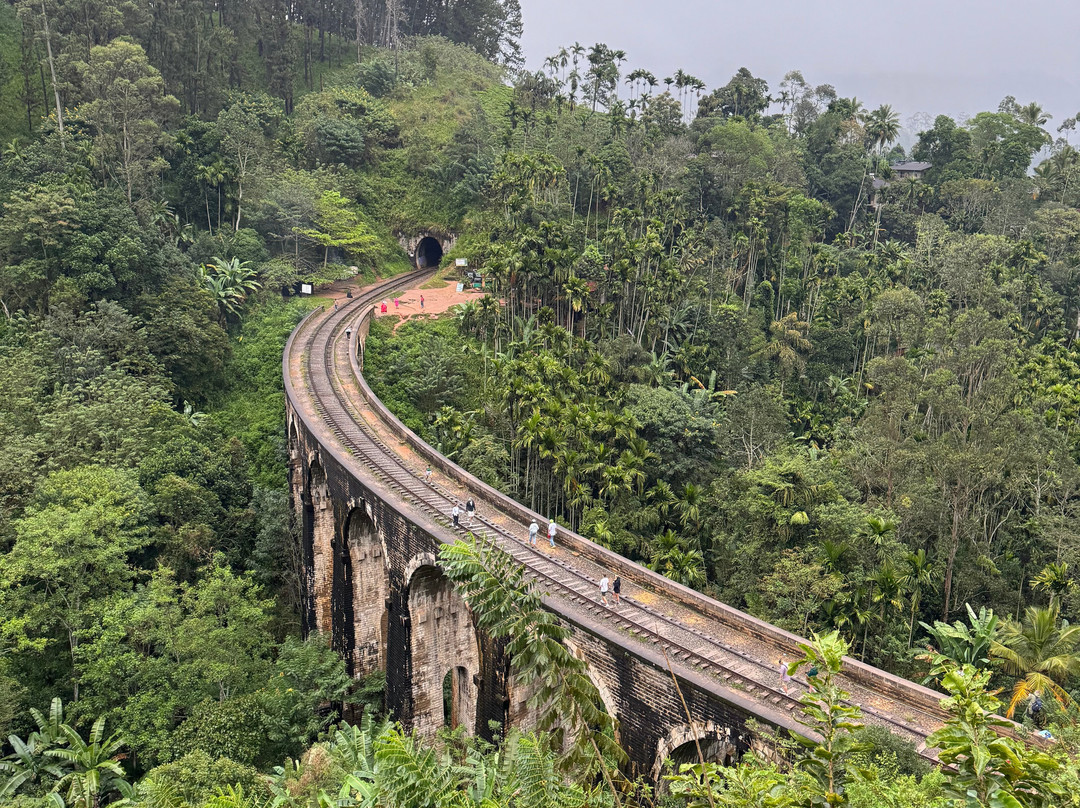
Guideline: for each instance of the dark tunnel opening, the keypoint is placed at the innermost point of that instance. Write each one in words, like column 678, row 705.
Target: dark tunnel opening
column 428, row 252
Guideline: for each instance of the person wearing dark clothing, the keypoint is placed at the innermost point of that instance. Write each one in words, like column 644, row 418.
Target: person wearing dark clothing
column 616, row 588
column 470, row 510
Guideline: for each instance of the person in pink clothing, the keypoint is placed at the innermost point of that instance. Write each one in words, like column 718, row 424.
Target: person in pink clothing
column 382, row 308
column 396, row 302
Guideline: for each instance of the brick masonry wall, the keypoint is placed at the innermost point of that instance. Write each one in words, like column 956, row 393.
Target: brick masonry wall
column 407, row 620
column 645, row 702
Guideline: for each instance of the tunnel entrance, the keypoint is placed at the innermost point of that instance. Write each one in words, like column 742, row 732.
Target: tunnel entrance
column 429, row 252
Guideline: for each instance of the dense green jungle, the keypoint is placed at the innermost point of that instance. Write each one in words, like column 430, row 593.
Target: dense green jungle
column 723, row 336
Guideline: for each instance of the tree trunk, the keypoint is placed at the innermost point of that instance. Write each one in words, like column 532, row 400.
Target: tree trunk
column 954, row 545
column 52, row 72
column 359, row 26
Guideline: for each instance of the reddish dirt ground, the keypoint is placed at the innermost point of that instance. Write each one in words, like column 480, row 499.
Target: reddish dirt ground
column 436, row 301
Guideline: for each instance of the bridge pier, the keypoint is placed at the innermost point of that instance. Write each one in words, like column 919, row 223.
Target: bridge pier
column 442, row 642
column 317, row 519
column 365, row 593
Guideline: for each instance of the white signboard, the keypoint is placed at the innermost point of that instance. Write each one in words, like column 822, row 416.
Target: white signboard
column 461, row 287
column 305, row 288
column 461, row 262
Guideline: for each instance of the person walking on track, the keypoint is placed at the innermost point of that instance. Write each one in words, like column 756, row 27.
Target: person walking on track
column 470, row 510
column 603, row 589
column 533, row 530
column 616, row 588
column 785, row 680
column 552, row 527
column 455, row 513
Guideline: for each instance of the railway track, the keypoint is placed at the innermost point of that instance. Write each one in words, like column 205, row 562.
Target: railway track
column 746, row 667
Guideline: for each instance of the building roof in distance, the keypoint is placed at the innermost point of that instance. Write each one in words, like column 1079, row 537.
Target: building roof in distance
column 910, row 165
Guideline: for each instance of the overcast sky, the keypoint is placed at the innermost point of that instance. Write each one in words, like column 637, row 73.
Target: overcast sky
column 933, row 56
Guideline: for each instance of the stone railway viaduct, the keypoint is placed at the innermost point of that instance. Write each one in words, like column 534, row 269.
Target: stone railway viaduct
column 372, row 528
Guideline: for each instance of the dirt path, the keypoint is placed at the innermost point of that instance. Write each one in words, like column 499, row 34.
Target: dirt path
column 437, row 301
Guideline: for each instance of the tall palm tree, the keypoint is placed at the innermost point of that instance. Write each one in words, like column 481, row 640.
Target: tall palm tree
column 1042, row 652
column 212, row 175
column 1054, row 579
column 917, row 576
column 882, row 127
column 1034, row 114
column 577, row 294
column 878, row 530
column 788, row 344
column 686, row 567
column 689, row 506
column 698, row 86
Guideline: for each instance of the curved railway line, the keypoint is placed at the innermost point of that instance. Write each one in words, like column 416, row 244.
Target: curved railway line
column 319, row 353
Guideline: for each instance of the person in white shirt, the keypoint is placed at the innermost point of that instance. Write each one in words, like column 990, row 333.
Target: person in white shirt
column 551, row 531
column 455, row 513
column 603, row 589
column 533, row 530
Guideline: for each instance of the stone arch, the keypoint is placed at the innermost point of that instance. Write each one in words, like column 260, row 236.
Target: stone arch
column 319, row 542
column 679, row 746
column 416, row 562
column 611, row 706
column 520, row 714
column 461, row 707
column 442, row 637
column 427, row 248
column 368, row 587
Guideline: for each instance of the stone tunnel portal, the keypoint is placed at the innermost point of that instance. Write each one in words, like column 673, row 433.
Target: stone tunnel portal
column 429, row 252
